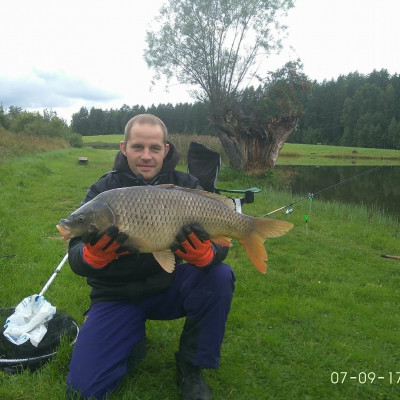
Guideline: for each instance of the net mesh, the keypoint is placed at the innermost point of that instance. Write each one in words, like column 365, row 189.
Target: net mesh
column 13, row 357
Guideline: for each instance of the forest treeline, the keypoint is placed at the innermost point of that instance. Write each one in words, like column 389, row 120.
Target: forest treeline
column 179, row 118
column 354, row 110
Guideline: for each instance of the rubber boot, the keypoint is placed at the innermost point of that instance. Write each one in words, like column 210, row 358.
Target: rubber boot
column 191, row 381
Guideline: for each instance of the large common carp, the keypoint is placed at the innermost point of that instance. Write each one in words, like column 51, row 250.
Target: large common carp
column 153, row 215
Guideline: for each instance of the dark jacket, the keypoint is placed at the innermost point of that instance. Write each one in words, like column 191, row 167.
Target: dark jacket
column 131, row 277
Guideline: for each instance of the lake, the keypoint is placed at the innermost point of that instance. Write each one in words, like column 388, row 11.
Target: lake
column 377, row 186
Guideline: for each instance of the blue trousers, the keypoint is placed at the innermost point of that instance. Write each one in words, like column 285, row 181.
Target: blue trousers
column 112, row 330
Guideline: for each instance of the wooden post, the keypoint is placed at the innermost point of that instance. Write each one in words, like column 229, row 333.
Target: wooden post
column 83, row 160
column 393, row 257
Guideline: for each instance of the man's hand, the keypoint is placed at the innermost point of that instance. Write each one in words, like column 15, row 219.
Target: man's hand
column 100, row 251
column 194, row 246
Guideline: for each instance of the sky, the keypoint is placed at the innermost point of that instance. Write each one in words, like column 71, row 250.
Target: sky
column 65, row 55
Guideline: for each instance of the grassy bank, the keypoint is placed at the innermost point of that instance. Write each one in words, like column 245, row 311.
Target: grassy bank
column 327, row 306
column 308, row 154
column 13, row 144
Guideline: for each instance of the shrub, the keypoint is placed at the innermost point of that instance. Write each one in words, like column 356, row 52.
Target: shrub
column 75, row 140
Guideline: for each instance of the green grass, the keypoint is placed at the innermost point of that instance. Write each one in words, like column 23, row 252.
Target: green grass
column 328, row 303
column 103, row 139
column 291, row 154
column 308, row 154
column 17, row 144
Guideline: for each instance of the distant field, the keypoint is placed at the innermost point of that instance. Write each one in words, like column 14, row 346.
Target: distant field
column 103, row 139
column 291, row 153
column 335, row 153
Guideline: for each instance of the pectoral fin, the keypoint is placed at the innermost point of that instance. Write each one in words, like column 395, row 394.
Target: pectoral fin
column 166, row 259
column 222, row 240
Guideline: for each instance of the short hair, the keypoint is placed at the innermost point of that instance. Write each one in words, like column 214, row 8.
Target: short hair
column 145, row 119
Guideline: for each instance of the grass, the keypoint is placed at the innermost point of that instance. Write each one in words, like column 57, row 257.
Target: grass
column 327, row 305
column 291, row 154
column 13, row 144
column 308, row 154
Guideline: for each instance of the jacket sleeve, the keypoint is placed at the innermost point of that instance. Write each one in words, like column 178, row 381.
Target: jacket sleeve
column 76, row 261
column 220, row 254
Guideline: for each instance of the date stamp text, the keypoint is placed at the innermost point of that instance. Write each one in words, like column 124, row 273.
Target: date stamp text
column 364, row 377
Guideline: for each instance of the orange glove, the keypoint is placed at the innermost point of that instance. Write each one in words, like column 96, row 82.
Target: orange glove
column 101, row 251
column 194, row 245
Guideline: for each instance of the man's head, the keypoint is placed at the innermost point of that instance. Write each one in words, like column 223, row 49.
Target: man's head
column 145, row 145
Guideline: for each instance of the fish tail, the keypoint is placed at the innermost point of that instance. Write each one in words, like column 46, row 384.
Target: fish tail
column 254, row 243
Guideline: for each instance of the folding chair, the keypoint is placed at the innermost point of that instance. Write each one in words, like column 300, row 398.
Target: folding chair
column 204, row 163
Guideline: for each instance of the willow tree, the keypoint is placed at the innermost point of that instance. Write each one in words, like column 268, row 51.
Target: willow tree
column 218, row 47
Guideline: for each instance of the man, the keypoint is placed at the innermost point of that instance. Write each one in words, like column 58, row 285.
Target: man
column 128, row 288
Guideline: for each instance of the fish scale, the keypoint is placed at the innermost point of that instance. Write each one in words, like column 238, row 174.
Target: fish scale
column 174, row 208
column 152, row 216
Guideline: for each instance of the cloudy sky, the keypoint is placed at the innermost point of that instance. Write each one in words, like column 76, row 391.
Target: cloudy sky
column 64, row 55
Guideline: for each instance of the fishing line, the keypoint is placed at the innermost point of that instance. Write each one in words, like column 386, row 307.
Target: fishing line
column 312, row 195
column 308, row 216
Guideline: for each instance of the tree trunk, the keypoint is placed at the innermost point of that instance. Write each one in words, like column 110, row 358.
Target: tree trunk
column 279, row 129
column 230, row 145
column 256, row 151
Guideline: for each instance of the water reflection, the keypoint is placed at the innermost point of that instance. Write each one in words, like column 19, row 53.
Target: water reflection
column 379, row 188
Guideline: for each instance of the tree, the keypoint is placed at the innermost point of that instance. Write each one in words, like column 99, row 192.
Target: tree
column 266, row 117
column 80, row 122
column 394, row 134
column 219, row 46
column 96, row 121
column 3, row 118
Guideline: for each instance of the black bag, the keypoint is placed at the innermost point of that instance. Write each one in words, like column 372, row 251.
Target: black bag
column 204, row 164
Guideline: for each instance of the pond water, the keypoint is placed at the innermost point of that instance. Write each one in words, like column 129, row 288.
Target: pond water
column 375, row 186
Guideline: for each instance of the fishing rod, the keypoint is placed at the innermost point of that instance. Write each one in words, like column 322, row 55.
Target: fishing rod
column 312, row 195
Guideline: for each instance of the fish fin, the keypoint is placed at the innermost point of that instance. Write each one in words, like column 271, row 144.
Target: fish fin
column 228, row 202
column 166, row 259
column 254, row 243
column 222, row 241
column 269, row 228
column 222, row 199
column 255, row 249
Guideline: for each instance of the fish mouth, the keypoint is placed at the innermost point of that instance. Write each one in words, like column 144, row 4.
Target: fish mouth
column 65, row 233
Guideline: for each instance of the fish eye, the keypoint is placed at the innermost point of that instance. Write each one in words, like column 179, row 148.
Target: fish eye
column 80, row 218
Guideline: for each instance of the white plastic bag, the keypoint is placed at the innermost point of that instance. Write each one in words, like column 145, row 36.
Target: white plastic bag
column 28, row 320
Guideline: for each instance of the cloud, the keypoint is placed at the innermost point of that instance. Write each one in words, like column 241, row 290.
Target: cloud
column 44, row 89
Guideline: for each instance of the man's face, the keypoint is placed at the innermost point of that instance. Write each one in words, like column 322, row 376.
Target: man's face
column 145, row 150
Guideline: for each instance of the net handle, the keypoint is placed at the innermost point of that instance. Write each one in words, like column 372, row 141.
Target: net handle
column 55, row 273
